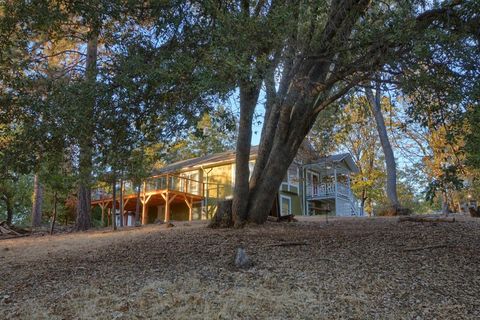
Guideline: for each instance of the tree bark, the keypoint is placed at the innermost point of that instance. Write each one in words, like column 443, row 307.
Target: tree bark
column 311, row 86
column 9, row 206
column 114, row 204
column 249, row 92
column 121, row 203
column 37, row 202
column 137, row 205
column 445, row 208
column 375, row 107
column 86, row 138
column 54, row 215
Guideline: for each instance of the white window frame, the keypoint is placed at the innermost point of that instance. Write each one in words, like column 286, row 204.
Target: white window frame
column 289, row 183
column 289, row 205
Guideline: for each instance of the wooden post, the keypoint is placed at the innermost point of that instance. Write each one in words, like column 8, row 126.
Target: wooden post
column 109, row 215
column 168, row 200
column 167, row 205
column 144, row 209
column 190, row 207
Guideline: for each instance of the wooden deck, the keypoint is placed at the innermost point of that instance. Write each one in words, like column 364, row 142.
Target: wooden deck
column 158, row 190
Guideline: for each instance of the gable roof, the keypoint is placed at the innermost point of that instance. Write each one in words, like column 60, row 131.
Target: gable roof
column 208, row 160
column 227, row 157
column 336, row 158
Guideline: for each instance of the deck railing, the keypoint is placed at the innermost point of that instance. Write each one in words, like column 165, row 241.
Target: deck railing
column 326, row 190
column 166, row 182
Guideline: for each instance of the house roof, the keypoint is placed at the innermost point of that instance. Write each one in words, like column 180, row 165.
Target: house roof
column 208, row 160
column 336, row 158
column 305, row 152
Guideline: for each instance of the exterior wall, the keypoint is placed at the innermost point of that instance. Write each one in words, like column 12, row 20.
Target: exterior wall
column 296, row 202
column 220, row 180
column 292, row 188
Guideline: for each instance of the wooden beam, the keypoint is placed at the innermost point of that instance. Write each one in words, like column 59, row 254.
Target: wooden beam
column 172, row 198
column 163, row 194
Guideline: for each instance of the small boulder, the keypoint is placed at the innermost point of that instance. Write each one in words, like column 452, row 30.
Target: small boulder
column 242, row 261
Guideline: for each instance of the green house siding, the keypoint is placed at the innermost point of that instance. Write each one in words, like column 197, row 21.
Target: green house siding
column 296, row 202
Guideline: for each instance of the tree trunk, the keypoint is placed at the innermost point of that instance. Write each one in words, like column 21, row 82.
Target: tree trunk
column 54, row 216
column 362, row 203
column 248, row 99
column 121, row 202
column 445, row 209
column 86, row 138
column 114, row 204
column 375, row 106
column 310, row 87
column 9, row 206
column 37, row 202
column 137, row 205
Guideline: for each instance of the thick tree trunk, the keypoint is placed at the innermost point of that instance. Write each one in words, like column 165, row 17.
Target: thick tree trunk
column 391, row 186
column 37, row 202
column 86, row 139
column 309, row 87
column 249, row 92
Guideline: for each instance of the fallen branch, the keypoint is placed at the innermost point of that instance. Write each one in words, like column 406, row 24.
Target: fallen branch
column 425, row 248
column 6, row 230
column 425, row 219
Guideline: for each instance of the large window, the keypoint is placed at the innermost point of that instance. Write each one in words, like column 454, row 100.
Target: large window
column 285, row 205
column 192, row 185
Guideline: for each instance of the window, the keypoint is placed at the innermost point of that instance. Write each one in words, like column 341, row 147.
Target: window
column 285, row 206
column 291, row 179
column 191, row 184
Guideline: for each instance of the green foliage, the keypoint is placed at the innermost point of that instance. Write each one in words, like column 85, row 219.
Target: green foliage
column 215, row 132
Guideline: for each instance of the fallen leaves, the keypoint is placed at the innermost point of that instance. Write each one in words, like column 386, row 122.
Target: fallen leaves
column 351, row 268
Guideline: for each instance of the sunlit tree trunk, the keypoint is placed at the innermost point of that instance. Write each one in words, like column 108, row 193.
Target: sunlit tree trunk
column 391, row 183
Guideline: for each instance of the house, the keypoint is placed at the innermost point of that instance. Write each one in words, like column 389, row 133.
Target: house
column 190, row 189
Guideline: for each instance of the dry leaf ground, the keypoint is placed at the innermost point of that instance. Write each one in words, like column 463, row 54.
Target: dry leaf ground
column 351, row 268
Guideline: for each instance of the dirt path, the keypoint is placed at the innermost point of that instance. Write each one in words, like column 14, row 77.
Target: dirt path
column 356, row 268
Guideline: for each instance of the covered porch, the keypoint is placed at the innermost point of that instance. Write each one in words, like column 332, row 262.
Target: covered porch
column 327, row 185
